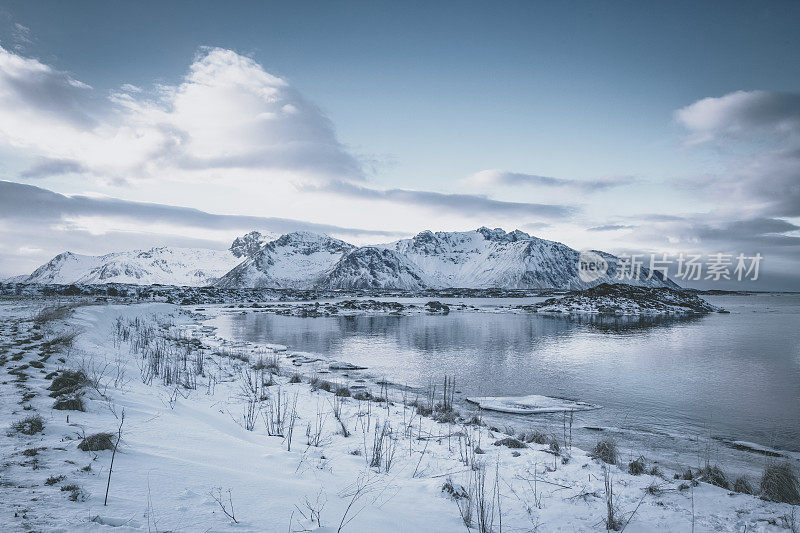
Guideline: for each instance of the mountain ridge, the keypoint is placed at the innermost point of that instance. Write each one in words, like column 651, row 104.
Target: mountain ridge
column 477, row 259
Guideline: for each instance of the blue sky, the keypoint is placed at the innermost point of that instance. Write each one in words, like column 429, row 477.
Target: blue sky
column 424, row 96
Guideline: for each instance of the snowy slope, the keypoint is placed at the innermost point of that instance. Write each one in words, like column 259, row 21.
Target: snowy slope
column 295, row 260
column 375, row 268
column 487, row 258
column 166, row 266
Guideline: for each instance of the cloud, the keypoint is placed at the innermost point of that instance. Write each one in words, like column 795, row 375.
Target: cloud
column 228, row 112
column 53, row 167
column 36, row 218
column 742, row 115
column 757, row 136
column 503, row 178
column 611, row 227
column 471, row 204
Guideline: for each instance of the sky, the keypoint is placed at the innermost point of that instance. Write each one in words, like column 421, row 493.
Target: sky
column 624, row 126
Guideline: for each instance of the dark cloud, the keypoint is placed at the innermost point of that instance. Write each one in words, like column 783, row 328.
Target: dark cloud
column 465, row 204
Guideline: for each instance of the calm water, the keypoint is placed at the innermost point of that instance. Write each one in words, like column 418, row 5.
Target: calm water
column 734, row 376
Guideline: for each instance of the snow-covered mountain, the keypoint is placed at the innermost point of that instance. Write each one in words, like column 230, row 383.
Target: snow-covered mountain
column 295, row 260
column 480, row 259
column 483, row 258
column 488, row 258
column 371, row 267
column 166, row 266
column 250, row 244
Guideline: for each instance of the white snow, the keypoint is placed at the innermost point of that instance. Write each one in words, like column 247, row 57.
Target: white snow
column 530, row 405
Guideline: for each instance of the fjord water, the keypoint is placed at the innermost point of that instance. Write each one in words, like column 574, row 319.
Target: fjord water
column 667, row 386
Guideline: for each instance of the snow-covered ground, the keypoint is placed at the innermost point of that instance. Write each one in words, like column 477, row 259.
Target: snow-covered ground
column 195, row 446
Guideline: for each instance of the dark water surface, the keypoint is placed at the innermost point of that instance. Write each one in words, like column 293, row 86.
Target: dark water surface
column 731, row 376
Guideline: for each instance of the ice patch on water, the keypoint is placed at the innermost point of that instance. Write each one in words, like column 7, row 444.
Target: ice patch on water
column 530, row 405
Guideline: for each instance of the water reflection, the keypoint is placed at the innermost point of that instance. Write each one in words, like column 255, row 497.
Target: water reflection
column 734, row 376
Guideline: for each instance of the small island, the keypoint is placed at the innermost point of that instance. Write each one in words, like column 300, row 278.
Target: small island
column 625, row 300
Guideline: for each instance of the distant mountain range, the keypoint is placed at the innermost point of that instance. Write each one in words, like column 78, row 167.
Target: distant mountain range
column 165, row 266
column 484, row 258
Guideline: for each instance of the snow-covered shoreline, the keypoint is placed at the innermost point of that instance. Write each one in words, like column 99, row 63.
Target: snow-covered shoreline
column 182, row 443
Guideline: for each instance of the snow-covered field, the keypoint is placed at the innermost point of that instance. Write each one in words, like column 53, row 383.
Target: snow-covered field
column 196, row 452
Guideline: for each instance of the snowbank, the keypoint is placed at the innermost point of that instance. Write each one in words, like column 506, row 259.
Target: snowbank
column 530, row 405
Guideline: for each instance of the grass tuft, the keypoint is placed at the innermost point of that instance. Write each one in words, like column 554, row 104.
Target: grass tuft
column 510, row 442
column 779, row 483
column 29, row 425
column 743, row 485
column 606, row 451
column 97, row 442
column 637, row 466
column 715, row 476
column 68, row 382
column 53, row 480
column 73, row 403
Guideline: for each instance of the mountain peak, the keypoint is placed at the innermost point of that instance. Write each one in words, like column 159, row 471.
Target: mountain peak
column 499, row 235
column 248, row 245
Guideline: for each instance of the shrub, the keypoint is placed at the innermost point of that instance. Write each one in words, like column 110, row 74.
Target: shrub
column 53, row 480
column 73, row 403
column 779, row 483
column 97, row 442
column 742, row 484
column 29, row 425
column 606, row 451
column 343, row 391
column 715, row 476
column 295, row 378
column 636, row 467
column 510, row 442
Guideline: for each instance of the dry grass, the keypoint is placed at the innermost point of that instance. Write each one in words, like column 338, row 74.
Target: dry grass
column 97, row 442
column 29, row 425
column 606, row 451
column 72, row 403
column 779, row 483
